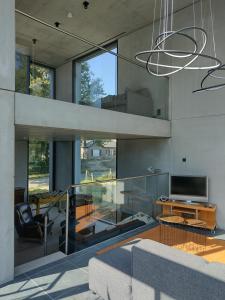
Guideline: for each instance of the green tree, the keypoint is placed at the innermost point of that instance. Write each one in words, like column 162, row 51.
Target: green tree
column 91, row 88
column 40, row 81
column 21, row 73
column 38, row 157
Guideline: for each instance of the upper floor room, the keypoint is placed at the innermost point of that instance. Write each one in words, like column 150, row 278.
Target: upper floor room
column 86, row 54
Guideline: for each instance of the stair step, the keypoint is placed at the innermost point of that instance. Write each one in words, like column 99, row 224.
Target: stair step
column 39, row 262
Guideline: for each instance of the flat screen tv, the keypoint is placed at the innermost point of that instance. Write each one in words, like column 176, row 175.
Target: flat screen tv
column 189, row 188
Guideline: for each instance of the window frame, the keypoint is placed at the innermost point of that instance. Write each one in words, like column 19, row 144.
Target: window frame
column 87, row 56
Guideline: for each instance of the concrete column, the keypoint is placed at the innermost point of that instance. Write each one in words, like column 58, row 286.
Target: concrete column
column 7, row 42
column 63, row 165
column 64, row 82
column 7, row 142
column 21, row 165
column 77, row 161
column 7, row 138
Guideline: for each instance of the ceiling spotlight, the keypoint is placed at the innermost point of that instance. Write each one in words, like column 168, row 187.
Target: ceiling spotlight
column 86, row 4
column 69, row 15
column 57, row 24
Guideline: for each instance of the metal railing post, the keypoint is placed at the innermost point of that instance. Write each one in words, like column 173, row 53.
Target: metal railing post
column 45, row 234
column 67, row 221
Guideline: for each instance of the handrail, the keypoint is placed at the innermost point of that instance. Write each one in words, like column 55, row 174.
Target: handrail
column 116, row 179
column 59, row 199
column 67, row 193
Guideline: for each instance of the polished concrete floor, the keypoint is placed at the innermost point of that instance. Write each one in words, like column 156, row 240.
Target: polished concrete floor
column 64, row 279
column 68, row 278
column 26, row 251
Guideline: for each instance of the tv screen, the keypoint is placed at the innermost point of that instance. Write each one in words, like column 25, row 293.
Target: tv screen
column 195, row 186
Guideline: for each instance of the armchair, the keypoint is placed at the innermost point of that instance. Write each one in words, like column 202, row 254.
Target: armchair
column 29, row 226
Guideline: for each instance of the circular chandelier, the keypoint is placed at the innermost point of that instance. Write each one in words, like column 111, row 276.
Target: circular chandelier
column 212, row 74
column 184, row 58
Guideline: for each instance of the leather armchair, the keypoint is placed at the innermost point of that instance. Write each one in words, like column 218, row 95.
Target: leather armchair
column 29, row 226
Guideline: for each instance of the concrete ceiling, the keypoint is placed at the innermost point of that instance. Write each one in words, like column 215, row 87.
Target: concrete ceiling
column 103, row 21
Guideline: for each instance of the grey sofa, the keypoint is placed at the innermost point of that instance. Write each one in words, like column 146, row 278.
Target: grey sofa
column 147, row 270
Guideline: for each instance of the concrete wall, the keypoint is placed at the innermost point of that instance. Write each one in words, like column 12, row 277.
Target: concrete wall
column 64, row 81
column 198, row 122
column 7, row 42
column 80, row 118
column 64, row 150
column 7, row 138
column 135, row 156
column 21, row 161
column 63, row 165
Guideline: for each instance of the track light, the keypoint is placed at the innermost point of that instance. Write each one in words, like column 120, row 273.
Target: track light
column 86, row 4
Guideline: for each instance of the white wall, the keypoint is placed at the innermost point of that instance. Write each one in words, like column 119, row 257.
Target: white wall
column 21, row 161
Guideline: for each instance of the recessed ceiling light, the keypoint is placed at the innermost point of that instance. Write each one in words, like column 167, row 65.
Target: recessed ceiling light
column 69, row 15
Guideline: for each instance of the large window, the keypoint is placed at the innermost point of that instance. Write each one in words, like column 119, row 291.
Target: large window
column 98, row 160
column 37, row 80
column 38, row 169
column 34, row 79
column 96, row 82
column 96, row 78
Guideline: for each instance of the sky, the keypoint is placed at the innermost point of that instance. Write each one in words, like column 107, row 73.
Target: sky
column 104, row 66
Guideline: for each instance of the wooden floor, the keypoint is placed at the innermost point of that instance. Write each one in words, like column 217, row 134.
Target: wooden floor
column 211, row 249
column 87, row 215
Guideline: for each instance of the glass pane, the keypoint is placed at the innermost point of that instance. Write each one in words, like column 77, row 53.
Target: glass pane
column 98, row 79
column 38, row 167
column 41, row 81
column 106, row 209
column 98, row 160
column 22, row 76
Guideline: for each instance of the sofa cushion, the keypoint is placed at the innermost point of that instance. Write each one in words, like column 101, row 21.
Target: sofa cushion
column 110, row 273
column 162, row 272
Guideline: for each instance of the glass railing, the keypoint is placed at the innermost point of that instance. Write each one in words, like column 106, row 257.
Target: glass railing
column 105, row 209
column 87, row 214
column 74, row 70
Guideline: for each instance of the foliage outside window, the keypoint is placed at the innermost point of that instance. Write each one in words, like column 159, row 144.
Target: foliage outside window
column 22, row 80
column 38, row 167
column 97, row 79
column 41, row 81
column 92, row 88
column 33, row 79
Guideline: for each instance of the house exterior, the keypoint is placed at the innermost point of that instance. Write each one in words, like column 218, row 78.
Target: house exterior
column 92, row 150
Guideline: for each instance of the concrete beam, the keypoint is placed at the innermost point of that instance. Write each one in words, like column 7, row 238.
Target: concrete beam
column 69, row 116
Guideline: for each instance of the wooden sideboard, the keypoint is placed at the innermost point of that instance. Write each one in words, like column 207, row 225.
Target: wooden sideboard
column 199, row 215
